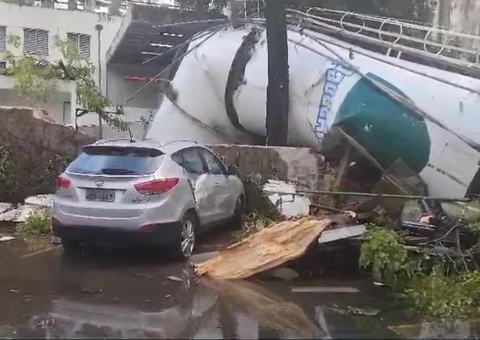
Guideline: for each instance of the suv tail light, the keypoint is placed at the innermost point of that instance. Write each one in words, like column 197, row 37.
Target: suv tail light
column 157, row 186
column 62, row 183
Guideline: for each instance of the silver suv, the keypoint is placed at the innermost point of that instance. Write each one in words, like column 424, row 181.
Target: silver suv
column 144, row 192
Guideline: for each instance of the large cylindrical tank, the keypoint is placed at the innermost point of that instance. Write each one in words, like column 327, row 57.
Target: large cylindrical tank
column 222, row 84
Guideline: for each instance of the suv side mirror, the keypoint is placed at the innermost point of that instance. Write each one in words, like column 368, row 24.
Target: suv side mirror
column 232, row 170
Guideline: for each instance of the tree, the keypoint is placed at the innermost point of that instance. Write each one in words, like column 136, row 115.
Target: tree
column 418, row 10
column 36, row 79
column 203, row 6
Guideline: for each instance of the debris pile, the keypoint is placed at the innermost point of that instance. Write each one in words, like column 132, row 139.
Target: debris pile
column 20, row 212
column 284, row 196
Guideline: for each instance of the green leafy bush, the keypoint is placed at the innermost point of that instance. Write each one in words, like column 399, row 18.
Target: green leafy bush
column 253, row 223
column 422, row 276
column 38, row 223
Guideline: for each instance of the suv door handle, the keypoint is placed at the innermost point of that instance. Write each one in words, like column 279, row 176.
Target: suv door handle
column 216, row 185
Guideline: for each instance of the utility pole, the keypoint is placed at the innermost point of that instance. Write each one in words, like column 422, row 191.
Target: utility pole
column 278, row 88
column 99, row 28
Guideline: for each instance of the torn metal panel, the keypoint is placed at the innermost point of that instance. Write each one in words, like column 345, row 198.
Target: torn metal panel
column 236, row 76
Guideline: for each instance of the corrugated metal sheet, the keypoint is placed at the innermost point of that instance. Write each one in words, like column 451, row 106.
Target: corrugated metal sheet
column 82, row 42
column 35, row 41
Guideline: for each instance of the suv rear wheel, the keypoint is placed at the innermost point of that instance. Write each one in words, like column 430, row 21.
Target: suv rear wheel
column 183, row 248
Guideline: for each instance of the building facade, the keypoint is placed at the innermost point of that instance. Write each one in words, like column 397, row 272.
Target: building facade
column 127, row 52
column 37, row 29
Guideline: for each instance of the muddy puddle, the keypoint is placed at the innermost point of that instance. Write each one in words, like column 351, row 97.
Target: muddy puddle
column 139, row 294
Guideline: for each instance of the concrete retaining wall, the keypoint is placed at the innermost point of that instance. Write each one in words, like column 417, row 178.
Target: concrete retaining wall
column 33, row 151
column 299, row 165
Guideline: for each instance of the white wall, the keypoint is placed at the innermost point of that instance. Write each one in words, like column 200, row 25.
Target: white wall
column 59, row 107
column 59, row 22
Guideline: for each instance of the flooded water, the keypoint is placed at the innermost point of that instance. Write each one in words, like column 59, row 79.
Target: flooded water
column 127, row 294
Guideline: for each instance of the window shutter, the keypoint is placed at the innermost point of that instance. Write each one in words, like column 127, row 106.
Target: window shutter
column 35, row 41
column 3, row 38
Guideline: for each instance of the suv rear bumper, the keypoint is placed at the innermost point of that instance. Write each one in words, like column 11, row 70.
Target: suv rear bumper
column 164, row 234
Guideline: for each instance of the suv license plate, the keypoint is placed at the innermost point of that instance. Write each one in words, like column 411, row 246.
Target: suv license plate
column 100, row 195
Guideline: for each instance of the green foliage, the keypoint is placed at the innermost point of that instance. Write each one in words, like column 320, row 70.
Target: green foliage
column 403, row 9
column 422, row 278
column 36, row 79
column 418, row 10
column 8, row 175
column 203, row 6
column 14, row 40
column 388, row 257
column 38, row 223
column 16, row 180
column 254, row 222
column 438, row 296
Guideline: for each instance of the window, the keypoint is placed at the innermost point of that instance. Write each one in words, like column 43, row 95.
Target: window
column 82, row 42
column 215, row 167
column 35, row 41
column 110, row 160
column 190, row 160
column 3, row 38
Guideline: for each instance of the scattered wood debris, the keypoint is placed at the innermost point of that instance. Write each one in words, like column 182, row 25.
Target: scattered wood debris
column 264, row 250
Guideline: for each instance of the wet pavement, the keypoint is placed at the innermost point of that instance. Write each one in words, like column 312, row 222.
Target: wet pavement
column 133, row 294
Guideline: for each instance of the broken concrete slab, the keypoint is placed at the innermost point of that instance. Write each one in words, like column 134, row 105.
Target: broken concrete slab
column 40, row 200
column 6, row 238
column 302, row 166
column 285, row 199
column 4, row 207
column 20, row 213
column 342, row 233
column 267, row 249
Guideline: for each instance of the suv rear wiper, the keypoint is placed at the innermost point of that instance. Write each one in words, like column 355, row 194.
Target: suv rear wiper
column 117, row 171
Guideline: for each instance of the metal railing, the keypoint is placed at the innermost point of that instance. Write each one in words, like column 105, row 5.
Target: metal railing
column 388, row 35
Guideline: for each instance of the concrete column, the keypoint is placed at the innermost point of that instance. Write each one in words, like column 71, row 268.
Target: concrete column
column 73, row 101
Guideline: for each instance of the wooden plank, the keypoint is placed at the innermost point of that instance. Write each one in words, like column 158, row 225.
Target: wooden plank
column 267, row 249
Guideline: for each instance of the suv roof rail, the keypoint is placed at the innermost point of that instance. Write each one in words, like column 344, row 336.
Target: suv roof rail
column 103, row 141
column 180, row 141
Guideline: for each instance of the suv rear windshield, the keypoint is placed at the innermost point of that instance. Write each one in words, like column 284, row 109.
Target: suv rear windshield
column 108, row 160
